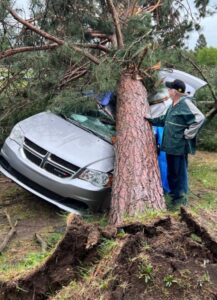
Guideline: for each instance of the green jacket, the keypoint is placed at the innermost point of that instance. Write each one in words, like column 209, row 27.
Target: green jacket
column 181, row 124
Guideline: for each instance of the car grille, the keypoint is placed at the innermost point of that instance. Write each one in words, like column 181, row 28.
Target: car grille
column 48, row 161
column 35, row 147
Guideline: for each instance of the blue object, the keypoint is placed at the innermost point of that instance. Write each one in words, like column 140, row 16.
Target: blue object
column 162, row 160
column 106, row 98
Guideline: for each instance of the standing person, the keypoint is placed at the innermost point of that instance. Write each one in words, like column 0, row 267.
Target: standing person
column 181, row 123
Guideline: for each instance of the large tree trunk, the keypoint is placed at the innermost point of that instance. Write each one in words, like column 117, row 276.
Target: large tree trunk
column 137, row 184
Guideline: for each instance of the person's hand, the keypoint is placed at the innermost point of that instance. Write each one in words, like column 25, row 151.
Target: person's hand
column 147, row 117
column 114, row 139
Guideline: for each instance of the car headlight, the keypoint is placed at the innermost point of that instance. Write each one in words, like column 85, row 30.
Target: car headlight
column 17, row 135
column 97, row 178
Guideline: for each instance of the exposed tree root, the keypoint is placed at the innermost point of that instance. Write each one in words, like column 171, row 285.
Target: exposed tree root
column 78, row 245
column 148, row 229
column 197, row 226
column 59, row 268
column 143, row 256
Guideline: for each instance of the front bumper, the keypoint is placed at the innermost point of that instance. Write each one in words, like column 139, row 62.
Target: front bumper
column 75, row 192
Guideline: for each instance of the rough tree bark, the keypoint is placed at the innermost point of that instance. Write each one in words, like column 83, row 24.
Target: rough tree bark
column 137, row 184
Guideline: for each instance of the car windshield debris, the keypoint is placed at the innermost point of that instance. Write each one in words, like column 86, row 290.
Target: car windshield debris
column 97, row 122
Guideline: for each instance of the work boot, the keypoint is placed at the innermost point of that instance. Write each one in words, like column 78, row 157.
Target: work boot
column 179, row 201
column 169, row 200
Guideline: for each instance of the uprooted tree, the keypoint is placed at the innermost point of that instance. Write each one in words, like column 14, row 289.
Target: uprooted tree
column 68, row 47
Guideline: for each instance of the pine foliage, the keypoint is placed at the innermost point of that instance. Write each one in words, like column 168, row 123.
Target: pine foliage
column 148, row 36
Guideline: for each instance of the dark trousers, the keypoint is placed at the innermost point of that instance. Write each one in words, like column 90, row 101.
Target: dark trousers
column 177, row 174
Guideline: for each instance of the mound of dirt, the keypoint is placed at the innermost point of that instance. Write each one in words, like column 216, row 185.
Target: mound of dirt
column 167, row 259
column 58, row 270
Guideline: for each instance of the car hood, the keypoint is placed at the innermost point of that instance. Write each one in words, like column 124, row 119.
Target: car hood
column 68, row 141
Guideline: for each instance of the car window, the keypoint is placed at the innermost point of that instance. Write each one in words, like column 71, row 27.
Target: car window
column 97, row 121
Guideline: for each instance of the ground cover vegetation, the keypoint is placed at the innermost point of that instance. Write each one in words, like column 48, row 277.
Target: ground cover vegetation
column 148, row 265
column 64, row 52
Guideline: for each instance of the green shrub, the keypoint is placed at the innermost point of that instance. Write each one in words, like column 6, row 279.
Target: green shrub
column 208, row 137
column 207, row 56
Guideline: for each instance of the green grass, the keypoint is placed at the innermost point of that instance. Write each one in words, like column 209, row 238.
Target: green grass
column 89, row 217
column 13, row 266
column 204, row 279
column 205, row 174
column 169, row 280
column 203, row 182
column 146, row 271
column 196, row 238
column 207, row 202
column 10, row 269
column 147, row 216
column 107, row 246
column 100, row 219
column 53, row 239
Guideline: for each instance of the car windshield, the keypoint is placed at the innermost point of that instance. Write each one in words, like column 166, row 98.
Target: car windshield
column 97, row 121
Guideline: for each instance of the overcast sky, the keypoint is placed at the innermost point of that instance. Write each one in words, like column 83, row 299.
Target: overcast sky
column 208, row 28
column 209, row 25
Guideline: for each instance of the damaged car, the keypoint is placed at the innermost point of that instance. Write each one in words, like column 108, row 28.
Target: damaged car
column 69, row 161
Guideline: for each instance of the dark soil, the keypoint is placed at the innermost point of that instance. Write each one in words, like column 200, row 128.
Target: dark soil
column 167, row 263
column 162, row 260
column 176, row 260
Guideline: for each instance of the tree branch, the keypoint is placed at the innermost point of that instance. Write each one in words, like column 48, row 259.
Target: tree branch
column 97, row 34
column 72, row 74
column 94, row 46
column 10, row 233
column 115, row 17
column 153, row 7
column 202, row 75
column 6, row 83
column 87, row 54
column 211, row 113
column 49, row 36
column 35, row 29
column 40, row 240
column 11, row 52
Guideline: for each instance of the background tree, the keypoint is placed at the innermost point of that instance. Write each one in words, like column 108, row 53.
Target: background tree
column 207, row 56
column 201, row 42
